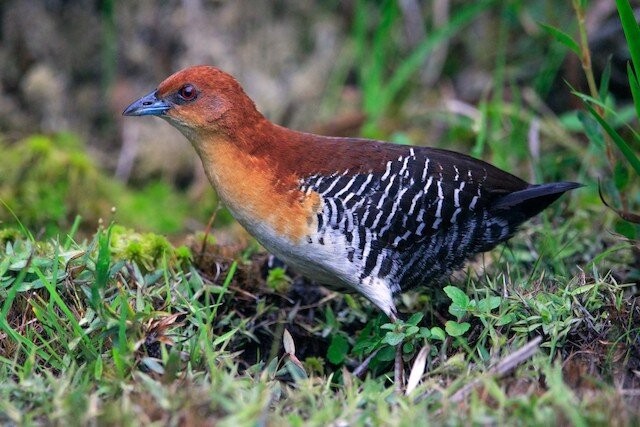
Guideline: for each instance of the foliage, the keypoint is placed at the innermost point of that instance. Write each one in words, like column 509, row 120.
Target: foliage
column 382, row 74
column 278, row 280
column 602, row 109
column 180, row 340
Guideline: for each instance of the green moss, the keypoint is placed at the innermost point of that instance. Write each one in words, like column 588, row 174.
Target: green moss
column 9, row 234
column 183, row 255
column 48, row 180
column 47, row 185
column 148, row 250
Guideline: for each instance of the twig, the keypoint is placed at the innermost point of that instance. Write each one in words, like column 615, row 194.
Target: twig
column 364, row 366
column 503, row 367
column 207, row 230
column 585, row 59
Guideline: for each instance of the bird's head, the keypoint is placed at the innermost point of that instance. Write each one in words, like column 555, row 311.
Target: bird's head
column 200, row 100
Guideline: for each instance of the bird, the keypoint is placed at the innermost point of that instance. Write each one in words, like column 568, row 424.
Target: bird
column 357, row 214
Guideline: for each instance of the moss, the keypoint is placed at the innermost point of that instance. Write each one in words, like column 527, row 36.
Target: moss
column 148, row 250
column 48, row 180
column 47, row 184
column 184, row 256
column 9, row 235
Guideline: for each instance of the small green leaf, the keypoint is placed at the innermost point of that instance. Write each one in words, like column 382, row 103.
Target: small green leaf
column 411, row 330
column 386, row 354
column 272, row 367
column 338, row 349
column 330, row 317
column 456, row 329
column 296, row 371
column 438, row 333
column 562, row 37
column 393, row 338
column 505, row 319
column 582, row 289
column 457, row 296
column 485, row 305
column 626, row 229
column 389, row 326
column 457, row 311
column 425, row 333
column 415, row 319
column 224, row 337
column 98, row 368
column 603, row 91
column 278, row 280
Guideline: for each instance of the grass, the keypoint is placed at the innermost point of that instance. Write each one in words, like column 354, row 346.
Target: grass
column 120, row 327
column 96, row 332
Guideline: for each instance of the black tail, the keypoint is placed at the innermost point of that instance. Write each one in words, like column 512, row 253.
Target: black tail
column 522, row 205
column 507, row 212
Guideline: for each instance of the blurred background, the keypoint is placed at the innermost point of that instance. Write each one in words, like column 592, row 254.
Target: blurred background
column 484, row 78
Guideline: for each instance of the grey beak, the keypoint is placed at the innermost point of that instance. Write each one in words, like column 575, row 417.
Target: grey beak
column 148, row 105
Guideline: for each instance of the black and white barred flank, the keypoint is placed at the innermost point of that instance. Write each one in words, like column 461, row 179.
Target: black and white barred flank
column 423, row 216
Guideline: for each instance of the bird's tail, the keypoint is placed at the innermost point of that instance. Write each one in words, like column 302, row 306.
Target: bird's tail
column 509, row 211
column 532, row 200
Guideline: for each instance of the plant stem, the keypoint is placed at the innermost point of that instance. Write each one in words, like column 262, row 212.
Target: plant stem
column 585, row 59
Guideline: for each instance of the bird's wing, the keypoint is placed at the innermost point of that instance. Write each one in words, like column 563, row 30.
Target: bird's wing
column 417, row 195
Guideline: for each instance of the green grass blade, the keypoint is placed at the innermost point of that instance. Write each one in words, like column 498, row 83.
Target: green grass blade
column 413, row 63
column 603, row 90
column 102, row 268
column 631, row 30
column 14, row 335
column 74, row 229
column 561, row 37
column 24, row 229
column 375, row 76
column 122, row 325
column 225, row 287
column 635, row 89
column 617, row 139
column 50, row 285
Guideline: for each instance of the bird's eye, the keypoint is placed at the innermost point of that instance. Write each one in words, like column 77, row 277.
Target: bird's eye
column 188, row 92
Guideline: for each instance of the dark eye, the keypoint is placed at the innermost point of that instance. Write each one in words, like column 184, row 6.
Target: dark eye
column 188, row 92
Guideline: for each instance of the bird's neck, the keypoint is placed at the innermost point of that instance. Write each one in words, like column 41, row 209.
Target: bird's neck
column 246, row 170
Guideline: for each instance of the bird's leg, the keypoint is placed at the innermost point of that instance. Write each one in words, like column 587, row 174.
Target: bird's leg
column 398, row 370
column 398, row 365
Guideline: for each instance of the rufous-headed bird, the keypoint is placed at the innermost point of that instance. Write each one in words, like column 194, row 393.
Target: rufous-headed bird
column 369, row 216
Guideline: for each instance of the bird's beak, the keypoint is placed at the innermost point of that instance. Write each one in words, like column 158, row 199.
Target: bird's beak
column 148, row 105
